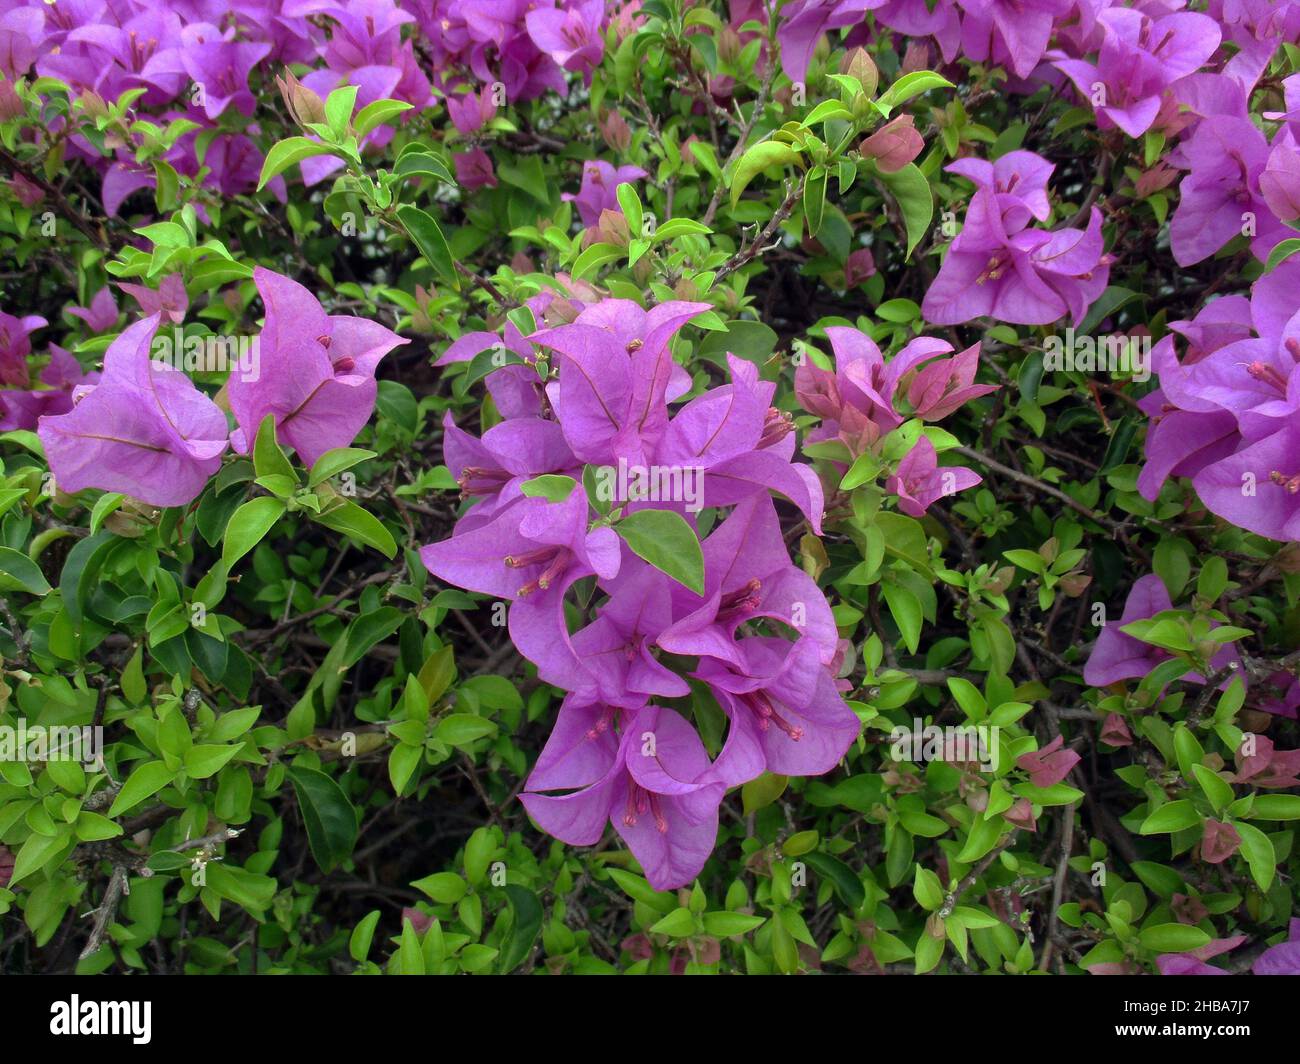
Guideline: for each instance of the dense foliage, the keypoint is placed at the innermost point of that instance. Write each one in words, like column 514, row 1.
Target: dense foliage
column 669, row 486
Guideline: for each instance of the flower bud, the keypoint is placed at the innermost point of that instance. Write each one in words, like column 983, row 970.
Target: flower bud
column 11, row 106
column 304, row 105
column 859, row 64
column 859, row 267
column 729, row 45
column 616, row 132
column 894, row 145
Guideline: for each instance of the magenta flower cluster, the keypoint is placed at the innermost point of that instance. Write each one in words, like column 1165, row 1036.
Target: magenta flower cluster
column 758, row 636
column 1224, row 414
column 866, row 397
column 200, row 61
column 145, row 430
column 1145, row 68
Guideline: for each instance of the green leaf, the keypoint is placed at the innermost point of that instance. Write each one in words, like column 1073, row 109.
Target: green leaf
column 422, row 164
column 762, row 791
column 376, row 114
column 361, row 525
column 906, row 610
column 329, row 817
column 631, row 203
column 268, row 459
column 105, row 505
column 462, row 729
column 146, row 781
column 680, row 923
column 528, row 922
column 364, row 933
column 1281, row 252
column 446, row 888
column 911, row 191
column 550, row 486
column 910, row 85
column 1173, row 938
column 367, row 631
column 334, row 462
column 926, row 889
column 338, row 108
column 814, row 198
column 725, row 924
column 287, row 152
column 769, row 153
column 1257, row 849
column 38, row 851
column 19, row 571
column 1171, row 817
column 207, row 759
column 594, row 257
column 847, row 883
column 666, row 541
column 93, row 827
column 1275, row 807
column 1216, row 789
column 248, row 525
column 427, row 236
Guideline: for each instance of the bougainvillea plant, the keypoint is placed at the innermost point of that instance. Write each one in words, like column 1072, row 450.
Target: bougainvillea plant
column 669, row 486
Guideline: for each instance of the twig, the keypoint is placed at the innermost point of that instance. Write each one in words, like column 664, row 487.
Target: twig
column 106, row 911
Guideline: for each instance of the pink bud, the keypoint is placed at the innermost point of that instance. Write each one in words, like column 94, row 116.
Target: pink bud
column 894, row 145
column 1220, row 842
column 859, row 267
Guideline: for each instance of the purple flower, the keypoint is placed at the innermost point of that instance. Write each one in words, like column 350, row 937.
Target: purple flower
column 803, row 23
column 894, row 144
column 786, row 714
column 315, row 373
column 616, row 375
column 600, row 180
column 493, row 468
column 531, row 552
column 1221, row 198
column 1219, row 841
column 471, row 111
column 170, row 300
column 617, row 647
column 1049, row 765
column 1014, row 33
column 1117, row 656
column 1019, row 181
column 652, row 779
column 571, row 34
column 1279, row 184
column 942, row 385
column 1032, row 277
column 474, row 169
column 15, row 346
column 143, row 430
column 748, row 575
column 101, row 315
column 1140, row 57
column 920, row 481
column 1193, row 962
column 63, row 375
column 1284, row 958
